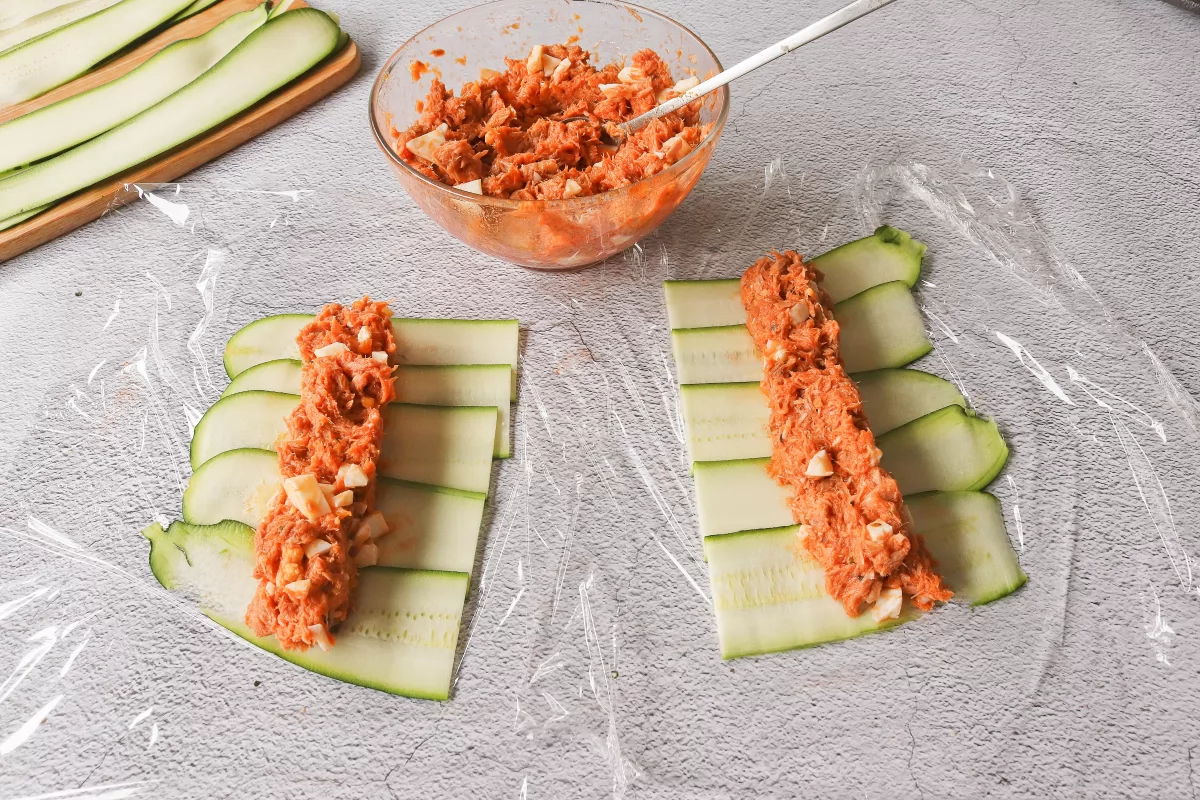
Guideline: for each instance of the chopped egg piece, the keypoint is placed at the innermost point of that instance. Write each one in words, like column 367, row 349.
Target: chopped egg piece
column 321, row 636
column 474, row 187
column 423, row 146
column 367, row 555
column 375, row 525
column 571, row 189
column 364, row 335
column 305, row 494
column 798, row 313
column 803, row 532
column 549, row 64
column 327, row 490
column 379, row 355
column 316, row 547
column 299, row 588
column 677, row 90
column 343, row 499
column 534, row 62
column 888, row 605
column 631, row 74
column 331, row 350
column 610, row 90
column 269, row 588
column 675, row 148
column 819, row 466
column 878, row 530
column 560, row 70
column 352, row 476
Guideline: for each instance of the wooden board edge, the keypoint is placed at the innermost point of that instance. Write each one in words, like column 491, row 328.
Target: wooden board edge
column 90, row 204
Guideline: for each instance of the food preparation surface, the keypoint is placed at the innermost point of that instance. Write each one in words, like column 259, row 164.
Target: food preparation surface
column 598, row 675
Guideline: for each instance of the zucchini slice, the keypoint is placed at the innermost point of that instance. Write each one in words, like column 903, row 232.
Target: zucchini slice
column 965, row 533
column 770, row 596
column 420, row 342
column 880, row 328
column 431, row 527
column 458, row 385
column 86, row 32
column 449, row 447
column 399, row 638
column 14, row 12
column 76, row 119
column 947, row 450
column 887, row 255
column 51, row 16
column 272, row 56
column 728, row 421
column 704, row 304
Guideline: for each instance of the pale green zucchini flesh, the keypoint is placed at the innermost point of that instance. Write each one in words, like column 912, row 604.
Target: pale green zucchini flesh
column 400, row 636
column 887, row 255
column 284, row 48
column 76, row 119
column 49, row 19
column 451, row 385
column 68, row 50
column 439, row 446
column 704, row 304
column 728, row 421
column 769, row 596
column 880, row 328
column 419, row 342
column 430, row 527
column 14, row 12
column 965, row 533
column 947, row 450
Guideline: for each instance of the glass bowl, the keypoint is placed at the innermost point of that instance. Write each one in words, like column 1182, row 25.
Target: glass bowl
column 545, row 234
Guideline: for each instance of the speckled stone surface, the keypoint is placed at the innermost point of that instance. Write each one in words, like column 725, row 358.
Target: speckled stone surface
column 588, row 661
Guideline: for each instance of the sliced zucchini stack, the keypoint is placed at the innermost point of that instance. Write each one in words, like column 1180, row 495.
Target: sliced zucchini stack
column 435, row 472
column 400, row 636
column 768, row 595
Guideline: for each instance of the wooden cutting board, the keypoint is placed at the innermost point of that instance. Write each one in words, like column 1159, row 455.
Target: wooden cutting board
column 91, row 203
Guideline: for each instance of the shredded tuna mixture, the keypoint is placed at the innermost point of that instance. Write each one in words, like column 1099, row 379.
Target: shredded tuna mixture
column 851, row 514
column 506, row 131
column 319, row 527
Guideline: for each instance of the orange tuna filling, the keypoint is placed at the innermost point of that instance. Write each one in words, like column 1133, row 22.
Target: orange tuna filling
column 305, row 554
column 853, row 520
column 504, row 129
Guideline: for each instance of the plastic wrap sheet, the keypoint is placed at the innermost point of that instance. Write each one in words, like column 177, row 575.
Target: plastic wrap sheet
column 588, row 664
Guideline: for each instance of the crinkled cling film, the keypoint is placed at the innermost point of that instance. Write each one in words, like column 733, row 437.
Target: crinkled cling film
column 588, row 663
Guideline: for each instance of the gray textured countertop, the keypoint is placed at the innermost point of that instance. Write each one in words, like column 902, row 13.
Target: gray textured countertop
column 1084, row 684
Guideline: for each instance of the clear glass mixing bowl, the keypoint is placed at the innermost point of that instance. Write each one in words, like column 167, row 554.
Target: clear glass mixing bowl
column 546, row 234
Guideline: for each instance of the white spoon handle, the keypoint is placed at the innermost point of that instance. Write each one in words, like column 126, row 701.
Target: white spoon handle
column 837, row 19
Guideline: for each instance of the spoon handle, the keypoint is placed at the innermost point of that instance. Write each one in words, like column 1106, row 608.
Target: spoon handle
column 837, row 19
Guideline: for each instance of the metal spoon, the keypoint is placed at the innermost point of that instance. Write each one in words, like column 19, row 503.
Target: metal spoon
column 843, row 16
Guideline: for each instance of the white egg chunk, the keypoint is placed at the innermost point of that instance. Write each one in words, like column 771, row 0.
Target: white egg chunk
column 425, row 145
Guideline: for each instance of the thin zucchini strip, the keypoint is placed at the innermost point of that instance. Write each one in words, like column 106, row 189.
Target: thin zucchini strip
column 32, row 27
column 76, row 119
column 14, row 12
column 274, row 55
column 12, row 222
column 40, row 65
